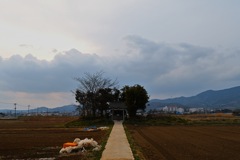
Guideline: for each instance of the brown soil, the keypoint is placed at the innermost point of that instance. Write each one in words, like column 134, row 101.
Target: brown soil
column 187, row 142
column 40, row 137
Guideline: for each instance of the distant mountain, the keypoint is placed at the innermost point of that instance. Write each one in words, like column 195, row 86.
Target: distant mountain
column 226, row 98
column 62, row 109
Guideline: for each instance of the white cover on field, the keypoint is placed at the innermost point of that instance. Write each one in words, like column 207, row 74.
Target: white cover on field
column 81, row 145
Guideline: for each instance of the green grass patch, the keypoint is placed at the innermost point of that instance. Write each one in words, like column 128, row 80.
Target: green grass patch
column 157, row 120
column 166, row 120
column 90, row 122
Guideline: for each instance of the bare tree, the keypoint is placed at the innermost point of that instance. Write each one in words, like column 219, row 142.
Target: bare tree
column 94, row 82
column 90, row 84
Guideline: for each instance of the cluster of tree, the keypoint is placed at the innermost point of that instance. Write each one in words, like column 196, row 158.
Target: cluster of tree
column 96, row 92
column 2, row 114
column 236, row 112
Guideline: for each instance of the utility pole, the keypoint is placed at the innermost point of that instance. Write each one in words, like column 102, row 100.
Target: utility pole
column 28, row 109
column 15, row 108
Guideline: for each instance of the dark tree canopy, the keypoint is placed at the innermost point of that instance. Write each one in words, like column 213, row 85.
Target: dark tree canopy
column 104, row 96
column 94, row 92
column 135, row 97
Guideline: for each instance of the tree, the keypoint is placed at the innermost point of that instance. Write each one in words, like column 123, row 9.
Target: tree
column 91, row 86
column 103, row 97
column 135, row 97
column 236, row 112
column 84, row 107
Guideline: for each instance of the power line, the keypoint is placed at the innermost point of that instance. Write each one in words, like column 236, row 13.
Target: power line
column 14, row 103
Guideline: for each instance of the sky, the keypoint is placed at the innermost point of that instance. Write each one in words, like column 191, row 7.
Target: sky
column 173, row 48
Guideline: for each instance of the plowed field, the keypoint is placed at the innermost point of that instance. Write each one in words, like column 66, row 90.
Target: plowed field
column 187, row 142
column 40, row 137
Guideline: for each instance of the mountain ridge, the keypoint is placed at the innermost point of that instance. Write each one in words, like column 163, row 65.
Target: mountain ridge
column 62, row 109
column 225, row 98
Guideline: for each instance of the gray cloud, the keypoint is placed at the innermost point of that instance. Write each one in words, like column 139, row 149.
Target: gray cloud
column 182, row 69
column 26, row 45
column 28, row 74
column 159, row 59
column 164, row 69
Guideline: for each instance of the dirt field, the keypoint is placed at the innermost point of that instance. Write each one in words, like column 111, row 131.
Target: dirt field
column 39, row 137
column 187, row 142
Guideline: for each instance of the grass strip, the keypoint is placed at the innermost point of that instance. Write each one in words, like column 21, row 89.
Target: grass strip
column 136, row 150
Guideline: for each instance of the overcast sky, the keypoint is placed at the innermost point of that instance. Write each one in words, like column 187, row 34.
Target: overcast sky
column 173, row 48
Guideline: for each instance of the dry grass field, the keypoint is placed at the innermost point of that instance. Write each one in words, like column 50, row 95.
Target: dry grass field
column 212, row 137
column 187, row 142
column 40, row 137
column 205, row 117
column 43, row 137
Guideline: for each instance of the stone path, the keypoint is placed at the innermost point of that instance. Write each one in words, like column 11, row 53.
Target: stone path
column 117, row 147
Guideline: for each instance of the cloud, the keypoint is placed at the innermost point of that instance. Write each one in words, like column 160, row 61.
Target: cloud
column 35, row 100
column 54, row 50
column 181, row 69
column 26, row 45
column 165, row 70
column 28, row 74
column 157, row 59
